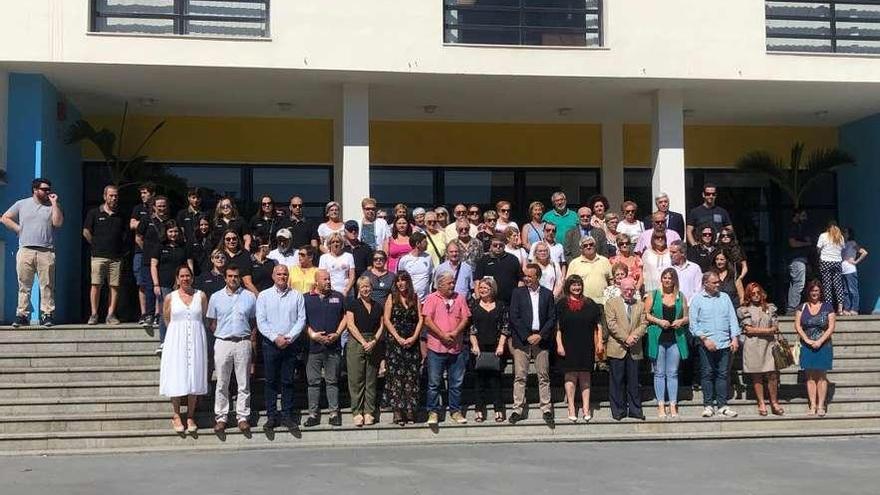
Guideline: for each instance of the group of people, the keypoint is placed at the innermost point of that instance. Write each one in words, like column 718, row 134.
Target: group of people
column 428, row 292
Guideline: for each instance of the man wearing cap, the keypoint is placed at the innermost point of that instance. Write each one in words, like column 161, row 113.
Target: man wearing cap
column 360, row 251
column 593, row 268
column 373, row 230
column 285, row 254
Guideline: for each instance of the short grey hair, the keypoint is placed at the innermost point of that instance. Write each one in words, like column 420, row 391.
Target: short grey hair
column 493, row 285
column 444, row 275
column 660, row 196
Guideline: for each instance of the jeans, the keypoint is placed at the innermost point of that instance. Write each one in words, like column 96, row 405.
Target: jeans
column 454, row 365
column 162, row 326
column 715, row 369
column 851, row 297
column 278, row 366
column 328, row 361
column 797, row 275
column 666, row 372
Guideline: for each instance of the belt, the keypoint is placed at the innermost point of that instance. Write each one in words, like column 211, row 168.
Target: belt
column 233, row 339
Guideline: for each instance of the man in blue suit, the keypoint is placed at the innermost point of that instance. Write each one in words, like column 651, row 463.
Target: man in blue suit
column 532, row 326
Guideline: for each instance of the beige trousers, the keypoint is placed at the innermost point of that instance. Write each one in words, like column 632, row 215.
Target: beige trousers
column 521, row 359
column 30, row 261
column 229, row 356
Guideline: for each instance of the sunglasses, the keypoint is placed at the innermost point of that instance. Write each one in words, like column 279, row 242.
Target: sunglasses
column 460, row 212
column 379, row 259
column 431, row 222
column 473, row 213
column 497, row 245
column 223, row 207
column 229, row 239
column 623, row 244
column 300, row 254
column 710, row 194
column 45, row 189
column 296, row 205
column 629, row 211
column 725, row 235
column 588, row 246
column 706, row 234
column 504, row 210
column 369, row 208
column 584, row 216
column 267, row 203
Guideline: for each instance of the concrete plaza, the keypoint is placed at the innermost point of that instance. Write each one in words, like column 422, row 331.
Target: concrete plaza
column 778, row 466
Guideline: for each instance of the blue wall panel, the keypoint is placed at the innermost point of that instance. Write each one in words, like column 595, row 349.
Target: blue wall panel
column 36, row 144
column 858, row 189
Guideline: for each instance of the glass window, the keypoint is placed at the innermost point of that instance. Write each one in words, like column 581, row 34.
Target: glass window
column 852, row 26
column 415, row 187
column 191, row 17
column 578, row 185
column 482, row 187
column 312, row 184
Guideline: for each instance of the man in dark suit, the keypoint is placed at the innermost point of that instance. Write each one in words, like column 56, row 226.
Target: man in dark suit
column 532, row 326
column 674, row 221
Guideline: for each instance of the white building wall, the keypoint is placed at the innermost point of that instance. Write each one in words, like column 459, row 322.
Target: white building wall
column 678, row 39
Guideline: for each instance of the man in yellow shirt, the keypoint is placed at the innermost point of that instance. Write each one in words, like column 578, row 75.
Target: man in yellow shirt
column 594, row 268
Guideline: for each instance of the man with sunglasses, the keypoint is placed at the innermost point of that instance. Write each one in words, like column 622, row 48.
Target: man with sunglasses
column 460, row 212
column 557, row 252
column 674, row 221
column 373, row 230
column 701, row 252
column 35, row 220
column 583, row 229
column 302, row 230
column 707, row 213
column 658, row 224
column 593, row 268
column 502, row 266
column 360, row 251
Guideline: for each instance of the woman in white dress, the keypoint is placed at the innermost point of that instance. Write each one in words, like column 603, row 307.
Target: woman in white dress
column 184, row 368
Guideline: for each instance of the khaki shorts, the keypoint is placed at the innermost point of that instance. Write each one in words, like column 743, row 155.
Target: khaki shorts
column 105, row 270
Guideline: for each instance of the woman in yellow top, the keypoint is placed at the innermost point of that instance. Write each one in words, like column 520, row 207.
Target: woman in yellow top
column 302, row 277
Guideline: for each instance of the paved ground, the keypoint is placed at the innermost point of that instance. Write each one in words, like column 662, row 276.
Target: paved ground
column 777, row 467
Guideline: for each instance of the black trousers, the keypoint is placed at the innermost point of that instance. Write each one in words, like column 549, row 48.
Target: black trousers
column 623, row 387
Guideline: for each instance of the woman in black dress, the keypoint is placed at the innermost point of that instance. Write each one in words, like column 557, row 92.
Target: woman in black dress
column 488, row 334
column 403, row 319
column 578, row 339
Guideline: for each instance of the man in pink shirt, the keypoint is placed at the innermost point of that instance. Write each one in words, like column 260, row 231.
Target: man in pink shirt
column 658, row 222
column 446, row 316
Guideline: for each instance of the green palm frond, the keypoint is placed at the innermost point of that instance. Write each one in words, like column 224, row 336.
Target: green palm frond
column 104, row 139
column 795, row 176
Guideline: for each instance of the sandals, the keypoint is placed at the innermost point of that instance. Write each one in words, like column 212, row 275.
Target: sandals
column 499, row 417
column 821, row 412
column 777, row 410
column 191, row 426
column 573, row 419
column 177, row 424
column 762, row 410
column 478, row 417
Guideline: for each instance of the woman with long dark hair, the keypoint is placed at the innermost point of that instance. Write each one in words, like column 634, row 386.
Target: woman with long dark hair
column 666, row 310
column 226, row 217
column 403, row 358
column 397, row 246
column 722, row 267
column 814, row 322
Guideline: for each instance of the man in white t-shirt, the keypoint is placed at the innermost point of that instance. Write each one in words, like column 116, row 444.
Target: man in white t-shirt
column 419, row 265
column 557, row 251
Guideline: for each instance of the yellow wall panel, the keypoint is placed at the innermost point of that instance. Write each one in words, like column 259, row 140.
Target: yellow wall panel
column 455, row 143
column 212, row 139
column 722, row 146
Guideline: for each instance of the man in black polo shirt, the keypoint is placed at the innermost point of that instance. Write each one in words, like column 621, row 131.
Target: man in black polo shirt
column 707, row 213
column 139, row 213
column 504, row 267
column 104, row 230
column 302, row 231
column 149, row 235
column 189, row 217
column 325, row 323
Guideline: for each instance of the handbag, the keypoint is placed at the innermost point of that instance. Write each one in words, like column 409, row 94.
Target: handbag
column 783, row 356
column 487, row 361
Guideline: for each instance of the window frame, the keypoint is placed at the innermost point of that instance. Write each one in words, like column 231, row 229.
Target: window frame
column 179, row 18
column 831, row 20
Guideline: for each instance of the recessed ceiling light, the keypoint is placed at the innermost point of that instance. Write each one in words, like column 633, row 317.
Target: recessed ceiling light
column 563, row 111
column 429, row 108
column 147, row 102
column 284, row 106
column 821, row 114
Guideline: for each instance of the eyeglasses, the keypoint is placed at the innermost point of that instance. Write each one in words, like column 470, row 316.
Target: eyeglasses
column 431, row 222
column 504, row 210
column 459, row 212
column 584, row 216
column 337, row 243
column 45, row 189
column 296, row 205
column 266, row 203
column 629, row 211
column 710, row 194
column 222, row 207
column 473, row 213
column 369, row 208
column 218, row 257
column 706, row 234
column 725, row 236
column 379, row 259
column 230, row 239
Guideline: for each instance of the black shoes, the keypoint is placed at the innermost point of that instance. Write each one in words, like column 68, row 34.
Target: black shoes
column 335, row 420
column 515, row 418
column 20, row 320
column 314, row 421
column 271, row 423
column 548, row 418
column 46, row 320
column 617, row 417
column 290, row 423
column 639, row 416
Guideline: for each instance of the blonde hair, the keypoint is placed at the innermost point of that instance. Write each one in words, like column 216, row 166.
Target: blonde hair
column 362, row 281
column 834, row 234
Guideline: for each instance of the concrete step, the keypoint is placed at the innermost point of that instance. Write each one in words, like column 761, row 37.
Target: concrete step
column 857, row 323
column 846, row 338
column 88, row 388
column 77, row 359
column 106, row 344
column 64, row 374
column 600, row 429
column 38, row 406
column 76, row 332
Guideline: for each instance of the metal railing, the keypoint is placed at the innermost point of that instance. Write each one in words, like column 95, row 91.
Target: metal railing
column 823, row 26
column 523, row 22
column 222, row 18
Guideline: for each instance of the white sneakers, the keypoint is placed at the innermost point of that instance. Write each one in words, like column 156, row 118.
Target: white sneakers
column 725, row 411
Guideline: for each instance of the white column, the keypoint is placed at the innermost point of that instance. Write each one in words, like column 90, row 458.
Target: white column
column 612, row 163
column 667, row 146
column 351, row 174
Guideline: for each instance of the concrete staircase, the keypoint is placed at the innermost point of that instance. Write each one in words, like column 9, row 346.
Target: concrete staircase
column 95, row 389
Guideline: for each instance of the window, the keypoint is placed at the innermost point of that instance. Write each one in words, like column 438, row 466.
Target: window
column 523, row 22
column 392, row 185
column 482, row 187
column 312, row 184
column 578, row 186
column 237, row 18
column 850, row 26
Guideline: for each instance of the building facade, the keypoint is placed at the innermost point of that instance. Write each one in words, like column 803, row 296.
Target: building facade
column 443, row 101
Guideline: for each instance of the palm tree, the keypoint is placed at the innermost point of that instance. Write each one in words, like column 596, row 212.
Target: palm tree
column 122, row 170
column 794, row 178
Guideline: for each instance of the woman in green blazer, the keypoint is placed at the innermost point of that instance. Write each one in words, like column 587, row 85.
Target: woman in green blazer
column 667, row 315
